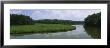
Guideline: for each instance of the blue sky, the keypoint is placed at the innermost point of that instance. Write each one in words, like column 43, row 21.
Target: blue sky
column 63, row 14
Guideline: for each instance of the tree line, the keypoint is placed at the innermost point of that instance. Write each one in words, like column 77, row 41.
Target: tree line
column 57, row 21
column 16, row 19
column 54, row 21
column 93, row 20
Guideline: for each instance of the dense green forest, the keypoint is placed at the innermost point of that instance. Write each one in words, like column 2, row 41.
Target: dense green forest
column 20, row 19
column 93, row 20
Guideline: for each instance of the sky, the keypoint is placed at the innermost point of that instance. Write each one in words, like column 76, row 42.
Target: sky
column 62, row 14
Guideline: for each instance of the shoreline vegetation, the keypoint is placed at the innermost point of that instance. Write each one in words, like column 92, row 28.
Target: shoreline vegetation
column 40, row 28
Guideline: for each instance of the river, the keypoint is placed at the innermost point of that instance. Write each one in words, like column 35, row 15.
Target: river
column 79, row 33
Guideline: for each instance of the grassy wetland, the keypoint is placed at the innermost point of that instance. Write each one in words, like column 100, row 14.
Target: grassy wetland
column 40, row 28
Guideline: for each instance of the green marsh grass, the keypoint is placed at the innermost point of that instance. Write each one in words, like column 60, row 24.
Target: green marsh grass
column 40, row 28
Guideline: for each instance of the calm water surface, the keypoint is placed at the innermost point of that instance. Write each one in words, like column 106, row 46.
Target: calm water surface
column 79, row 33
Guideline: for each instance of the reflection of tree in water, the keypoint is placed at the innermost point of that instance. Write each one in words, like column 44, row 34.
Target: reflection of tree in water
column 95, row 32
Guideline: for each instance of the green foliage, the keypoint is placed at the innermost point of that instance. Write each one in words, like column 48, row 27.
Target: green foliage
column 93, row 20
column 54, row 21
column 40, row 28
column 16, row 19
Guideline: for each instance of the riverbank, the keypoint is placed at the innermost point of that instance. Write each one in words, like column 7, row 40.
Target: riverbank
column 40, row 28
